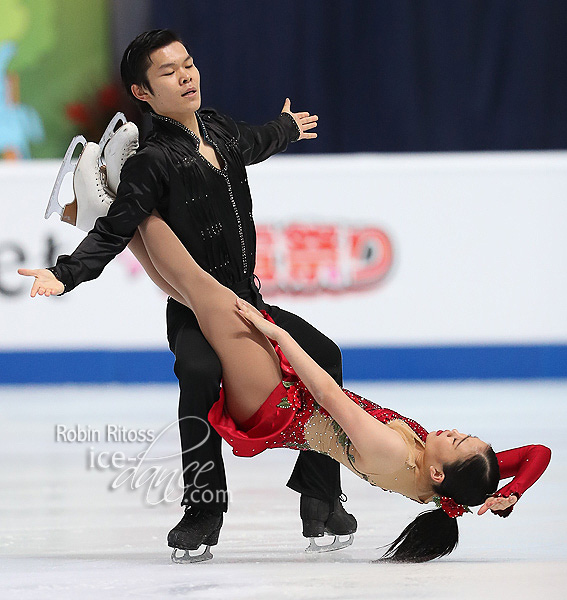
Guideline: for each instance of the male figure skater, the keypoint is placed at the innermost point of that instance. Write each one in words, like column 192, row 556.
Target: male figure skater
column 191, row 169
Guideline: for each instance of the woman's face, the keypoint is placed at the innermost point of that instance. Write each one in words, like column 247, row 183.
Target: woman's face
column 449, row 446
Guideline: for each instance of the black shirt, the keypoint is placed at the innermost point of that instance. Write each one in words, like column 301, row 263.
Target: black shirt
column 210, row 210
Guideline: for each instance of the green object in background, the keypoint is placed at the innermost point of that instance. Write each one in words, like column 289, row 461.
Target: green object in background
column 62, row 56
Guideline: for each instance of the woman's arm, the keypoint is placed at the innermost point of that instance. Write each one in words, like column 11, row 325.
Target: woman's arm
column 526, row 465
column 381, row 449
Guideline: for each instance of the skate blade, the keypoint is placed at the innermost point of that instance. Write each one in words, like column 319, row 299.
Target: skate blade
column 187, row 558
column 336, row 544
column 68, row 165
column 111, row 128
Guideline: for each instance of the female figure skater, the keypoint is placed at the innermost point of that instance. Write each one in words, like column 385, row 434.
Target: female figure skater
column 275, row 395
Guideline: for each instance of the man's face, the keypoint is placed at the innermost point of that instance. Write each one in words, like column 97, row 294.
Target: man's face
column 174, row 81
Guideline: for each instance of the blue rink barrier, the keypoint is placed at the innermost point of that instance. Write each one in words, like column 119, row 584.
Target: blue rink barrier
column 360, row 363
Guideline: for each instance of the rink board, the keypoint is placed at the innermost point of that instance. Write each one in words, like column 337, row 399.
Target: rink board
column 461, row 273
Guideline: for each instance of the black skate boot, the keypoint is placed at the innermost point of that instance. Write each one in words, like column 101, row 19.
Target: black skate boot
column 196, row 528
column 320, row 518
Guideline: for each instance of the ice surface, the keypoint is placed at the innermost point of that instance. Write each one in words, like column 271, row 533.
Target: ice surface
column 65, row 534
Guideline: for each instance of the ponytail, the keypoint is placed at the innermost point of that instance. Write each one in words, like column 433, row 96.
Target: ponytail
column 434, row 533
column 430, row 535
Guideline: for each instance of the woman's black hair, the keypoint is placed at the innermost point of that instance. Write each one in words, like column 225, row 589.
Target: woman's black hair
column 434, row 533
column 136, row 60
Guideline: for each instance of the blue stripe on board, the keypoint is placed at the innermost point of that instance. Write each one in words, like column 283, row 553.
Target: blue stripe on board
column 87, row 366
column 456, row 362
column 385, row 363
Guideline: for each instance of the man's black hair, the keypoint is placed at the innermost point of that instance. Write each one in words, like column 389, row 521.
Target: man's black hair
column 136, row 60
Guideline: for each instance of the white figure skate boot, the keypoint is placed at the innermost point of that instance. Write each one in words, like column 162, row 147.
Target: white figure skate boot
column 117, row 151
column 91, row 198
column 90, row 183
column 87, row 184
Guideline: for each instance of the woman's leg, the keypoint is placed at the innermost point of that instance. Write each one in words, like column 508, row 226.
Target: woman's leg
column 250, row 366
column 136, row 246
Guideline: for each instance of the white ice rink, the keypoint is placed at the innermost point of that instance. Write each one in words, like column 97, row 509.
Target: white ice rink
column 65, row 534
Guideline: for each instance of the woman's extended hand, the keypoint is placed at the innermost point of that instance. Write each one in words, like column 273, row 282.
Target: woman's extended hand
column 497, row 503
column 255, row 317
column 45, row 284
column 304, row 120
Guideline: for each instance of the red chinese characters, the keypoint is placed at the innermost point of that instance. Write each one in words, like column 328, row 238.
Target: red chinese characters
column 304, row 258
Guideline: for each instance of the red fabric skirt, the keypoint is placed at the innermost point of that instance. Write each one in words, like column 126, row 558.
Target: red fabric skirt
column 278, row 423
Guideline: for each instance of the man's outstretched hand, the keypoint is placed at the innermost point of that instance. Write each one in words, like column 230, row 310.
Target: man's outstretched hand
column 45, row 284
column 304, row 121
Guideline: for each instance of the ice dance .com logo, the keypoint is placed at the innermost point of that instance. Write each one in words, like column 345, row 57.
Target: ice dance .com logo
column 160, row 473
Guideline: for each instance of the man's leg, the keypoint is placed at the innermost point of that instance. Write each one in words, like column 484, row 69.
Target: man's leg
column 199, row 372
column 316, row 476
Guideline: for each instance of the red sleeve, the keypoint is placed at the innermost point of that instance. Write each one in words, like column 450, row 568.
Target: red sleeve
column 525, row 465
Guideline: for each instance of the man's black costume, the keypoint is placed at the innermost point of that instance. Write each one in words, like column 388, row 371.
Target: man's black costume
column 210, row 211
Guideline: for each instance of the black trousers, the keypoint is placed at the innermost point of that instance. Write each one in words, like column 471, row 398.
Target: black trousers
column 199, row 372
